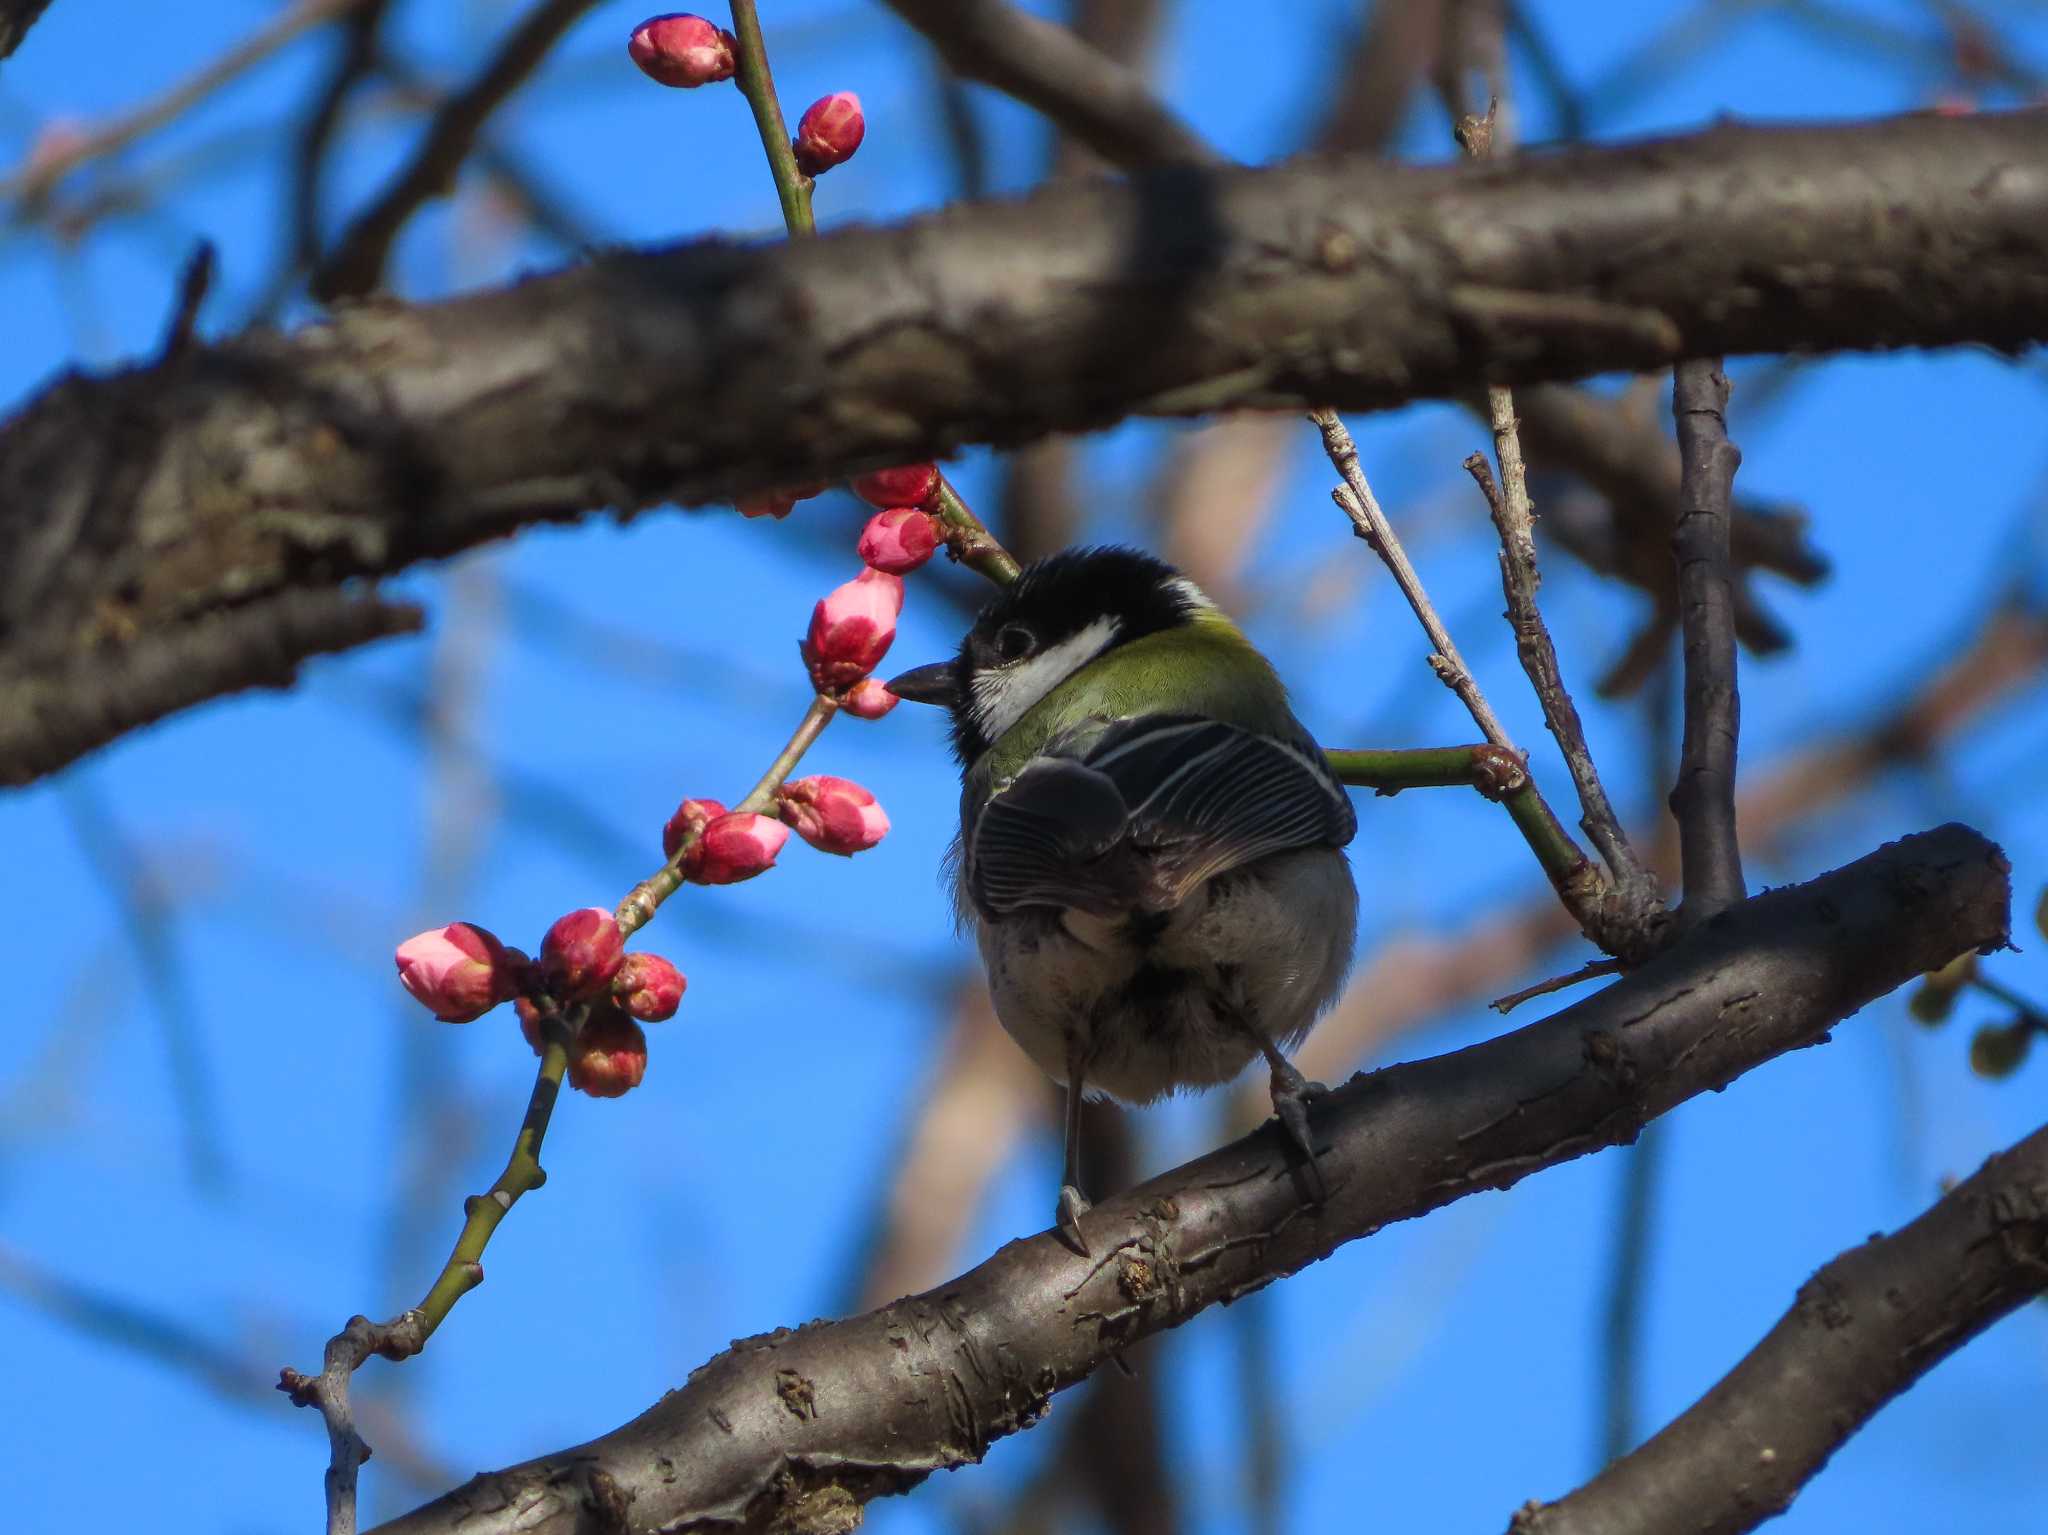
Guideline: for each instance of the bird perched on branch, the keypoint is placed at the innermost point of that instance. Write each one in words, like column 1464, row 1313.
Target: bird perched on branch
column 1151, row 844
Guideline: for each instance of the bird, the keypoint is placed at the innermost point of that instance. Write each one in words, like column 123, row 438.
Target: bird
column 1151, row 845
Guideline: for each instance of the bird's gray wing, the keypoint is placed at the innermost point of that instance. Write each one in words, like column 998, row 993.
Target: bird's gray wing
column 1152, row 807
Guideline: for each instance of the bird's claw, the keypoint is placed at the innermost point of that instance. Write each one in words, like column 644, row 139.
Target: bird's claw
column 1291, row 1095
column 1073, row 1205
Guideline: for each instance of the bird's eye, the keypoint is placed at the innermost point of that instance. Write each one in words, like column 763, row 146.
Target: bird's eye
column 1014, row 642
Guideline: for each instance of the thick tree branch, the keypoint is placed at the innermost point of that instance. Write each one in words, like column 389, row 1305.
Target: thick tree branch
column 1863, row 1329
column 797, row 1429
column 712, row 371
column 16, row 17
column 1703, row 802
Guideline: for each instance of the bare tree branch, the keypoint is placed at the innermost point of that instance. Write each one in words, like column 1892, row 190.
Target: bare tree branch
column 356, row 264
column 1088, row 95
column 16, row 17
column 704, row 373
column 1863, row 1329
column 1710, row 858
column 794, row 1430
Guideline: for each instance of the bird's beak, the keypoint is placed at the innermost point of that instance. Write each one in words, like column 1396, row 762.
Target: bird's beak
column 937, row 683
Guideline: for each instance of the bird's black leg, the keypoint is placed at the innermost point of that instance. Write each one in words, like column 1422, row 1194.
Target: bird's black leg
column 1291, row 1089
column 1291, row 1094
column 1073, row 1203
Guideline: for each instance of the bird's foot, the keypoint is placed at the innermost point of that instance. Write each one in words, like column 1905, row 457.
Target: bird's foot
column 1073, row 1205
column 1291, row 1095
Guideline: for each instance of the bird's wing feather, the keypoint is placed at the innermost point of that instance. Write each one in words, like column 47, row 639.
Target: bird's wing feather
column 1148, row 809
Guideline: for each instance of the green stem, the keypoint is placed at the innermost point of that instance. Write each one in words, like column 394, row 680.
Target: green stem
column 1998, row 991
column 645, row 898
column 761, row 798
column 1498, row 775
column 972, row 543
column 464, row 1270
column 792, row 186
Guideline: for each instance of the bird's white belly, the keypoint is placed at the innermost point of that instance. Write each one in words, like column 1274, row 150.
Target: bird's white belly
column 1260, row 950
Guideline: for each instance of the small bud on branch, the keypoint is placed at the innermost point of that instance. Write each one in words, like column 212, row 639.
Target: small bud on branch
column 649, row 987
column 834, row 815
column 682, row 50
column 828, row 133
column 458, row 972
column 582, row 952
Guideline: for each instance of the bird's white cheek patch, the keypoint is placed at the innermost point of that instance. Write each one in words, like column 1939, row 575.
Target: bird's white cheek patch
column 1001, row 698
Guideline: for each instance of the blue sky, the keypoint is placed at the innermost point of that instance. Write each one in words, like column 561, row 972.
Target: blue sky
column 239, row 1128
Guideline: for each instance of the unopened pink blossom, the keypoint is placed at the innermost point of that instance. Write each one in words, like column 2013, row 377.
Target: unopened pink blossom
column 609, row 1056
column 899, row 540
column 735, row 847
column 828, row 133
column 683, row 50
column 868, row 699
column 834, row 815
column 582, row 952
column 649, row 987
column 851, row 629
column 458, row 972
column 691, row 817
column 905, row 485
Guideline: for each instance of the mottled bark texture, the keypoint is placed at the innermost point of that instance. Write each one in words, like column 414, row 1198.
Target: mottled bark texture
column 1862, row 1330
column 794, row 1430
column 134, row 506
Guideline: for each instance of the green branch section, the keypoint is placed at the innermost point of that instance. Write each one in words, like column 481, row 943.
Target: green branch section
column 1498, row 775
column 464, row 1270
column 792, row 186
column 972, row 543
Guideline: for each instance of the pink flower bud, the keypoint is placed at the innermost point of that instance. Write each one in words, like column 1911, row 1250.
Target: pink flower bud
column 682, row 50
column 609, row 1056
column 899, row 540
column 734, row 847
column 774, row 503
column 457, row 972
column 834, row 815
column 868, row 699
column 649, row 987
column 582, row 952
column 851, row 628
column 828, row 133
column 692, row 815
column 905, row 485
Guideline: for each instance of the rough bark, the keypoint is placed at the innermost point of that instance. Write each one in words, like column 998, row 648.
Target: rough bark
column 133, row 504
column 1863, row 1329
column 794, row 1430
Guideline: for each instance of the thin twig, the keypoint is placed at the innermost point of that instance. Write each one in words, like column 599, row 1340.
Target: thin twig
column 1090, row 96
column 37, row 175
column 1586, row 972
column 1710, row 856
column 1356, row 499
column 757, row 84
column 356, row 264
column 407, row 1333
column 1513, row 517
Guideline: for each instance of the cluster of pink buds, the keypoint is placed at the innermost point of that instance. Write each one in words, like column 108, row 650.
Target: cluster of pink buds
column 905, row 532
column 460, row 972
column 687, row 51
column 721, row 847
